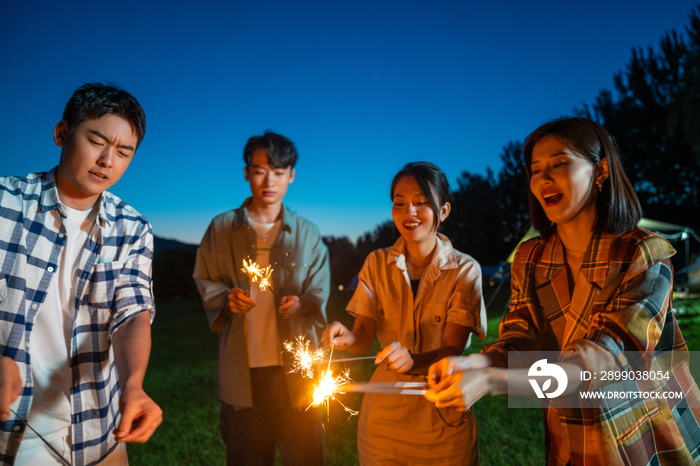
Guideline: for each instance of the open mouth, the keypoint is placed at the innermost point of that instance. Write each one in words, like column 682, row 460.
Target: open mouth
column 552, row 198
column 411, row 225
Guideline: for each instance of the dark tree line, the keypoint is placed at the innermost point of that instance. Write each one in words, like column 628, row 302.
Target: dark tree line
column 653, row 111
column 654, row 114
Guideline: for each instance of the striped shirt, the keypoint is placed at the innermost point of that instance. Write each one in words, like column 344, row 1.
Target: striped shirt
column 114, row 284
column 621, row 303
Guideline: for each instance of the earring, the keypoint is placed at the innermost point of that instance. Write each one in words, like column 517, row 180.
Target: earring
column 600, row 186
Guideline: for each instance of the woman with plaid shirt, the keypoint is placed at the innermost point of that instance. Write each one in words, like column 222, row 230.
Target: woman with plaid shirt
column 598, row 289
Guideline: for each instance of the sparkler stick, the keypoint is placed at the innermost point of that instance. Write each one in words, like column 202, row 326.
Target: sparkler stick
column 396, row 388
column 53, row 449
column 361, row 358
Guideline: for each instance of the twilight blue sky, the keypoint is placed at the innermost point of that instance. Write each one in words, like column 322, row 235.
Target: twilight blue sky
column 361, row 87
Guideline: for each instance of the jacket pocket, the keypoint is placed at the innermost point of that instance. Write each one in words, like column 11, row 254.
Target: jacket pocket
column 432, row 325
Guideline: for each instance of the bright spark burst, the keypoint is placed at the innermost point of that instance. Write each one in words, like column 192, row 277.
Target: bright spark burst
column 257, row 275
column 304, row 357
column 327, row 388
column 265, row 278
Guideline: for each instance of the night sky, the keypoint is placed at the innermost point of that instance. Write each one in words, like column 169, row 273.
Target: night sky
column 361, row 87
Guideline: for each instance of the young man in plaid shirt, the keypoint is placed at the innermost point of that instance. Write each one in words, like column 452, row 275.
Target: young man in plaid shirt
column 75, row 295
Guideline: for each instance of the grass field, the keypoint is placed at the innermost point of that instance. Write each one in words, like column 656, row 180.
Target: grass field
column 182, row 379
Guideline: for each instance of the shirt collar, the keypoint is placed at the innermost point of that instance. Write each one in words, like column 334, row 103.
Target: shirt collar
column 51, row 201
column 241, row 217
column 595, row 260
column 444, row 258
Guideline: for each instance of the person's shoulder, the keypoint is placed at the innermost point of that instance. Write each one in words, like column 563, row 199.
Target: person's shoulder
column 22, row 185
column 645, row 249
column 462, row 259
column 305, row 226
column 224, row 217
column 21, row 192
column 526, row 249
column 380, row 257
column 117, row 210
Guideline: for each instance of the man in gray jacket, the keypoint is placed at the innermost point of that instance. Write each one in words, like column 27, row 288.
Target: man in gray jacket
column 262, row 404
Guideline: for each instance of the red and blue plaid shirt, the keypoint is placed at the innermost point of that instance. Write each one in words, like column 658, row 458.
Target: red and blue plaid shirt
column 114, row 284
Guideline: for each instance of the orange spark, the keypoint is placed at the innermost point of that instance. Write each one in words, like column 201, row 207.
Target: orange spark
column 327, row 388
column 304, row 357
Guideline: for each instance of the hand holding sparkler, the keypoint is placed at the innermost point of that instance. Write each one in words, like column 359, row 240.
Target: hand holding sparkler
column 239, row 301
column 397, row 357
column 451, row 364
column 460, row 381
column 338, row 336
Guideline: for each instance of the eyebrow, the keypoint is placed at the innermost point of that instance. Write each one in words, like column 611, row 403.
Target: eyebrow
column 561, row 152
column 103, row 136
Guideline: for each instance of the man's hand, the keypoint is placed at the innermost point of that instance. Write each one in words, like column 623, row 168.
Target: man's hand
column 10, row 386
column 290, row 307
column 239, row 301
column 451, row 364
column 141, row 416
column 338, row 336
column 397, row 357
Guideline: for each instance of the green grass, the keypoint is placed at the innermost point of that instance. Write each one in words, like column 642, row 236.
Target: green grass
column 182, row 379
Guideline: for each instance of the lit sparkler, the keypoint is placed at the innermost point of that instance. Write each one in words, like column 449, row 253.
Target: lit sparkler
column 257, row 275
column 304, row 357
column 327, row 388
column 265, row 279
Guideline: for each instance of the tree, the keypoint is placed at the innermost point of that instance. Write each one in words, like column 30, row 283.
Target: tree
column 654, row 114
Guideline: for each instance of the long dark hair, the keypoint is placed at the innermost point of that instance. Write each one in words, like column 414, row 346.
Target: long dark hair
column 617, row 208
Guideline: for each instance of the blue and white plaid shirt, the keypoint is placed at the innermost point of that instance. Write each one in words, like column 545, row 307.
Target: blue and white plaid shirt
column 114, row 284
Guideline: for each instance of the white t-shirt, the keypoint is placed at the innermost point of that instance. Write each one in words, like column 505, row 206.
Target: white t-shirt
column 49, row 349
column 261, row 321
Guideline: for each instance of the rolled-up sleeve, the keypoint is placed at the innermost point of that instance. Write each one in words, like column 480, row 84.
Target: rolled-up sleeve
column 364, row 300
column 133, row 291
column 466, row 305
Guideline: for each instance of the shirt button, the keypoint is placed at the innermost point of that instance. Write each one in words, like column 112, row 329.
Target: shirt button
column 16, row 428
column 34, row 306
column 61, row 235
column 50, row 269
column 437, row 319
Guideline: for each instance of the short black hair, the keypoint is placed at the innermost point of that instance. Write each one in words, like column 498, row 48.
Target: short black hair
column 95, row 100
column 617, row 207
column 432, row 182
column 281, row 152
